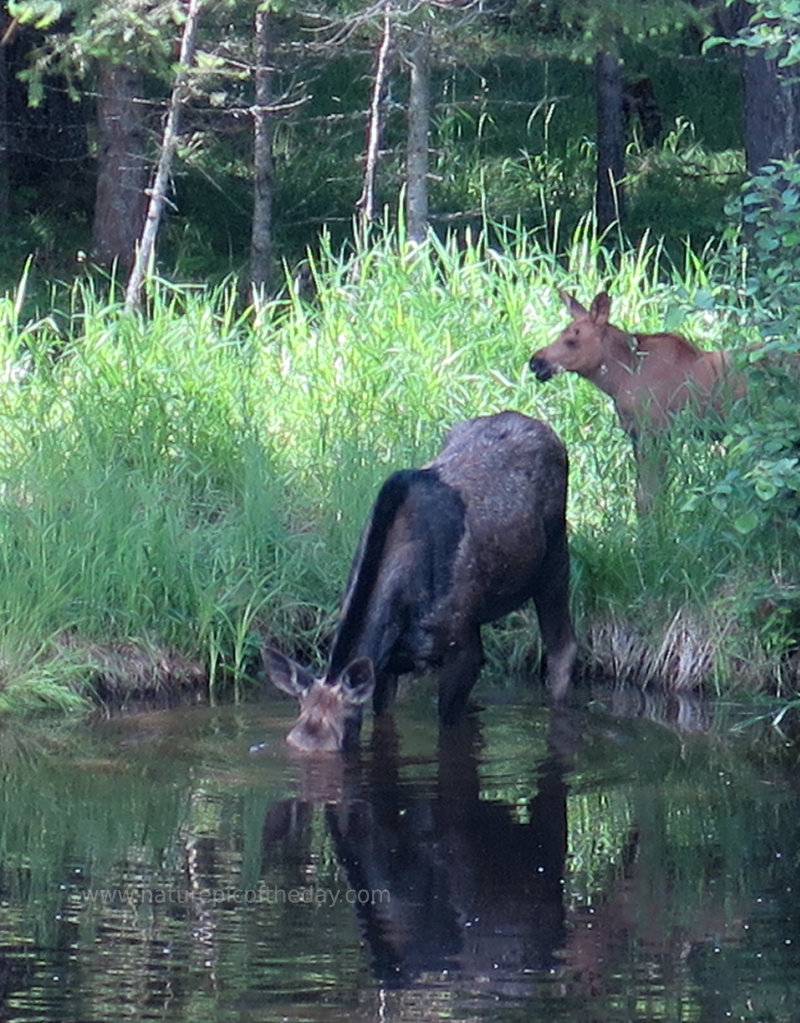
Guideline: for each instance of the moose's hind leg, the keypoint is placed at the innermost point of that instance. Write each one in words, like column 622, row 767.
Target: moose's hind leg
column 551, row 598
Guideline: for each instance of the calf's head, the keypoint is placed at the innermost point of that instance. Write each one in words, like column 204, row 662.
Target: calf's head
column 330, row 710
column 579, row 348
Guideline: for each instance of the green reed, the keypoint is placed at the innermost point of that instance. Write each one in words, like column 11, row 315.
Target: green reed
column 195, row 480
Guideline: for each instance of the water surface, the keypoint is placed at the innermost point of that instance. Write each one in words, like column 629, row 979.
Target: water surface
column 571, row 865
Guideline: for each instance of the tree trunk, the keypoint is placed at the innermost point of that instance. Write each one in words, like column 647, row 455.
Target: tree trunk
column 261, row 242
column 419, row 103
column 771, row 111
column 771, row 102
column 610, row 199
column 120, row 200
column 158, row 192
column 367, row 204
column 4, row 138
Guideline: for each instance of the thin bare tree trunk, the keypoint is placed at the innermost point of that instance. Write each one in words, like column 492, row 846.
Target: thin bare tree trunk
column 261, row 241
column 366, row 203
column 158, row 192
column 419, row 108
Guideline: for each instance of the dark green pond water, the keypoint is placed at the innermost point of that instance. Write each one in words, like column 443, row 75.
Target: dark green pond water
column 538, row 865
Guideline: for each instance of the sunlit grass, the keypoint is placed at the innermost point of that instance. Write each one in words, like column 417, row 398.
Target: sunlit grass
column 196, row 479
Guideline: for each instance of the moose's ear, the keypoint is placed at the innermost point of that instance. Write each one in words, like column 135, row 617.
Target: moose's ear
column 601, row 308
column 573, row 305
column 284, row 672
column 358, row 680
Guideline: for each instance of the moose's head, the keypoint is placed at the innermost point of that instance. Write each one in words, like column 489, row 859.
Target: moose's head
column 580, row 347
column 330, row 709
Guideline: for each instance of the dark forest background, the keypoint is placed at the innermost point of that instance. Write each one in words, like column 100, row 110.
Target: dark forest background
column 537, row 113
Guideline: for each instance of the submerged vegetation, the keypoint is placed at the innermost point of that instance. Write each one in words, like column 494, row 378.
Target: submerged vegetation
column 180, row 486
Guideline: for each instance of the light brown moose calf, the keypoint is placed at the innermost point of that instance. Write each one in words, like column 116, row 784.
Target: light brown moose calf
column 650, row 377
column 460, row 542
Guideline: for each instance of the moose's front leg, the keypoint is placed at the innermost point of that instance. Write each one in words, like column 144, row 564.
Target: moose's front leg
column 457, row 676
column 651, row 464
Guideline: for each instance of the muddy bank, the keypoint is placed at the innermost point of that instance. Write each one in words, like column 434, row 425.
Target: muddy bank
column 683, row 661
column 126, row 675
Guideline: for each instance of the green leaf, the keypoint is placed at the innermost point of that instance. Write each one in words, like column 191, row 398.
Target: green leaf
column 41, row 15
column 746, row 522
column 767, row 490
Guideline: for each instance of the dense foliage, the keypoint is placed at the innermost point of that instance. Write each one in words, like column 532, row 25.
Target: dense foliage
column 513, row 135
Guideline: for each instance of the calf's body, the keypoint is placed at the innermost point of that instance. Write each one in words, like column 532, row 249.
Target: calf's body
column 650, row 377
column 472, row 535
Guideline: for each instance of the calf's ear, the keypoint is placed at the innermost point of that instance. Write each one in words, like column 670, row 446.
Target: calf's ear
column 358, row 680
column 573, row 305
column 284, row 672
column 601, row 307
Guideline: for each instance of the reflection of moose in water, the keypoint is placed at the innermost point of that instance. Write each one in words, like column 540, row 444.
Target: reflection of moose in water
column 469, row 537
column 471, row 890
column 466, row 884
column 649, row 376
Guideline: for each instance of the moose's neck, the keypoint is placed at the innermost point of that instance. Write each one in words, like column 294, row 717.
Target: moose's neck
column 622, row 359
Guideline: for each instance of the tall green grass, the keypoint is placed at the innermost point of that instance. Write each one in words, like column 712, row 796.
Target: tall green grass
column 191, row 481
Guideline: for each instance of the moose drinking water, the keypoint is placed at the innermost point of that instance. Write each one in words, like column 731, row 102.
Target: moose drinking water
column 649, row 376
column 460, row 542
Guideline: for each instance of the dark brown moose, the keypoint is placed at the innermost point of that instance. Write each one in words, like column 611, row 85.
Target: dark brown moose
column 462, row 541
column 649, row 376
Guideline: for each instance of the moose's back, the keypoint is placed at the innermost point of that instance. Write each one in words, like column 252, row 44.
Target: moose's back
column 511, row 472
